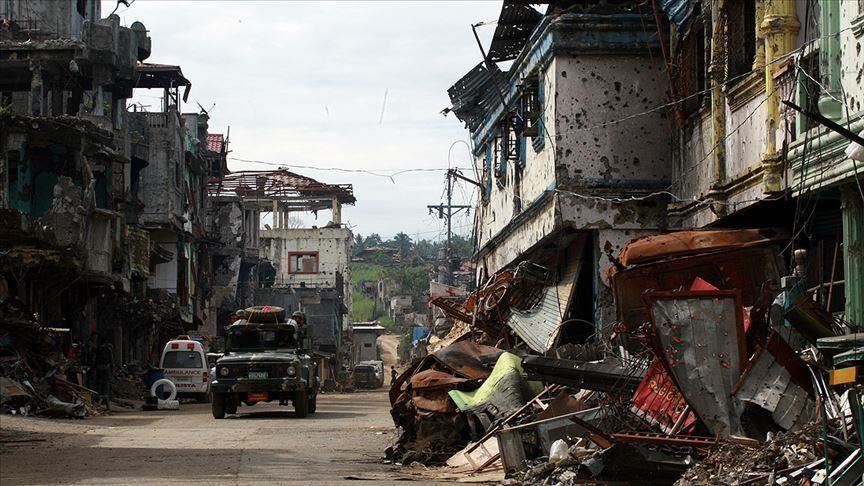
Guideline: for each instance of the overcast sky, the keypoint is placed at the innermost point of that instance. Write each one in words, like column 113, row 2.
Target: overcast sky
column 303, row 83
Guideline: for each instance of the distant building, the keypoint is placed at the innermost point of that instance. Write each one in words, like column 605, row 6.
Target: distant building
column 299, row 269
column 364, row 335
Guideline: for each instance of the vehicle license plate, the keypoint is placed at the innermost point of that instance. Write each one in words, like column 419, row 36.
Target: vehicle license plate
column 257, row 375
column 257, row 397
column 181, row 378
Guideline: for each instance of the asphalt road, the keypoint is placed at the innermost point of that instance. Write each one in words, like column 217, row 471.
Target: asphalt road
column 343, row 441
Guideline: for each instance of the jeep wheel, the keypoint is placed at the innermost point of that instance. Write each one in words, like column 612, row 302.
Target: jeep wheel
column 313, row 403
column 218, row 406
column 301, row 404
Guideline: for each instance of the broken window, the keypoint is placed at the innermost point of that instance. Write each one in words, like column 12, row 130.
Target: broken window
column 499, row 159
column 303, row 262
column 487, row 173
column 741, row 37
column 536, row 112
column 511, row 139
column 691, row 71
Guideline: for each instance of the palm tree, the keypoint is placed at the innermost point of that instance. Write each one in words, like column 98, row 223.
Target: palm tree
column 403, row 243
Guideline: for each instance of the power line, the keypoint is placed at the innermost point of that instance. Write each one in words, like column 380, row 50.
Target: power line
column 375, row 172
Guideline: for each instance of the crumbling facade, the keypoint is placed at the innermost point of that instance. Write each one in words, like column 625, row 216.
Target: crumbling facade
column 553, row 169
column 96, row 238
column 744, row 157
column 614, row 123
column 737, row 330
column 67, row 164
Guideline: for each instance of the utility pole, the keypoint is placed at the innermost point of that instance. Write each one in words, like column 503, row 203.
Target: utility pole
column 447, row 211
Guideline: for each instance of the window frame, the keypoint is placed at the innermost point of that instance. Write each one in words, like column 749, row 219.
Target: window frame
column 293, row 271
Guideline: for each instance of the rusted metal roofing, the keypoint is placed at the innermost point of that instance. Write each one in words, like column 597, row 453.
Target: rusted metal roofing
column 468, row 359
column 475, row 94
column 746, row 269
column 699, row 337
column 515, row 24
column 215, row 142
column 539, row 327
column 290, row 189
column 682, row 243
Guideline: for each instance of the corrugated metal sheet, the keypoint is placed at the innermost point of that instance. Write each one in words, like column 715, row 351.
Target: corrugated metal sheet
column 769, row 386
column 677, row 11
column 515, row 24
column 539, row 327
column 701, row 339
column 746, row 269
column 474, row 95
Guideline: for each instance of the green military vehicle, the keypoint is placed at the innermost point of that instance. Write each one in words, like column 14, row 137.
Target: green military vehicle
column 265, row 361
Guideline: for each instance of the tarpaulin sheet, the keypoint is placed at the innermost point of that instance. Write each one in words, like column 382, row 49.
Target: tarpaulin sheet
column 419, row 333
column 504, row 386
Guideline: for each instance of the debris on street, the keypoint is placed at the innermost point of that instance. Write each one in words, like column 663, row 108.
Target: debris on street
column 705, row 382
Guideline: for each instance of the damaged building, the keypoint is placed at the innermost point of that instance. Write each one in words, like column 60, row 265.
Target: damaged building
column 592, row 137
column 173, row 192
column 558, row 182
column 95, row 237
column 300, row 269
column 68, row 163
column 668, row 249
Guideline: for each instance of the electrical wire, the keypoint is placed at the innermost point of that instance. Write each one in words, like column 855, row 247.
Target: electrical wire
column 375, row 172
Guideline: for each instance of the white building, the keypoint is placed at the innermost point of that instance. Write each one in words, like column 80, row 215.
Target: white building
column 310, row 257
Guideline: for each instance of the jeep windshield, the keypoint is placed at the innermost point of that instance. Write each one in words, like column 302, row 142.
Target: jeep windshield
column 255, row 339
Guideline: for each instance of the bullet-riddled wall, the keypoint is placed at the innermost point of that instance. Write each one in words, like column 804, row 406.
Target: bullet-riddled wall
column 310, row 256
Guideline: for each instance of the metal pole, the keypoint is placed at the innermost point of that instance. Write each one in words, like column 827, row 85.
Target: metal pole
column 449, row 227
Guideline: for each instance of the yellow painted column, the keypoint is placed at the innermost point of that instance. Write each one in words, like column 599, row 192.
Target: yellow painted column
column 717, row 73
column 759, row 59
column 780, row 27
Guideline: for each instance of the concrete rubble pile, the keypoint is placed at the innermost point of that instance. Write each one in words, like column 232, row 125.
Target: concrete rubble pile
column 43, row 373
column 32, row 369
column 722, row 369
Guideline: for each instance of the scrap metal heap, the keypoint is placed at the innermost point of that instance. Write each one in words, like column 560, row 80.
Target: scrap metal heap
column 722, row 369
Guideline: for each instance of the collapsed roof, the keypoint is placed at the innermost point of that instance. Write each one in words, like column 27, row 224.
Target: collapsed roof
column 292, row 191
column 515, row 24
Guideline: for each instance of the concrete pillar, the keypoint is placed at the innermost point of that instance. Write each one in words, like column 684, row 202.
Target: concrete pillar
column 36, row 90
column 853, row 252
column 337, row 211
column 717, row 76
column 829, row 59
column 780, row 28
column 275, row 214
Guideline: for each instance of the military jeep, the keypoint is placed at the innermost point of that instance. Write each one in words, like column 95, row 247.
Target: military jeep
column 264, row 362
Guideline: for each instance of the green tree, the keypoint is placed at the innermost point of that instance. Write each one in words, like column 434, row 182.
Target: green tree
column 372, row 240
column 403, row 243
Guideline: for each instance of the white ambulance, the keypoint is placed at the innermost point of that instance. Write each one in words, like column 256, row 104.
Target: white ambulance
column 185, row 364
